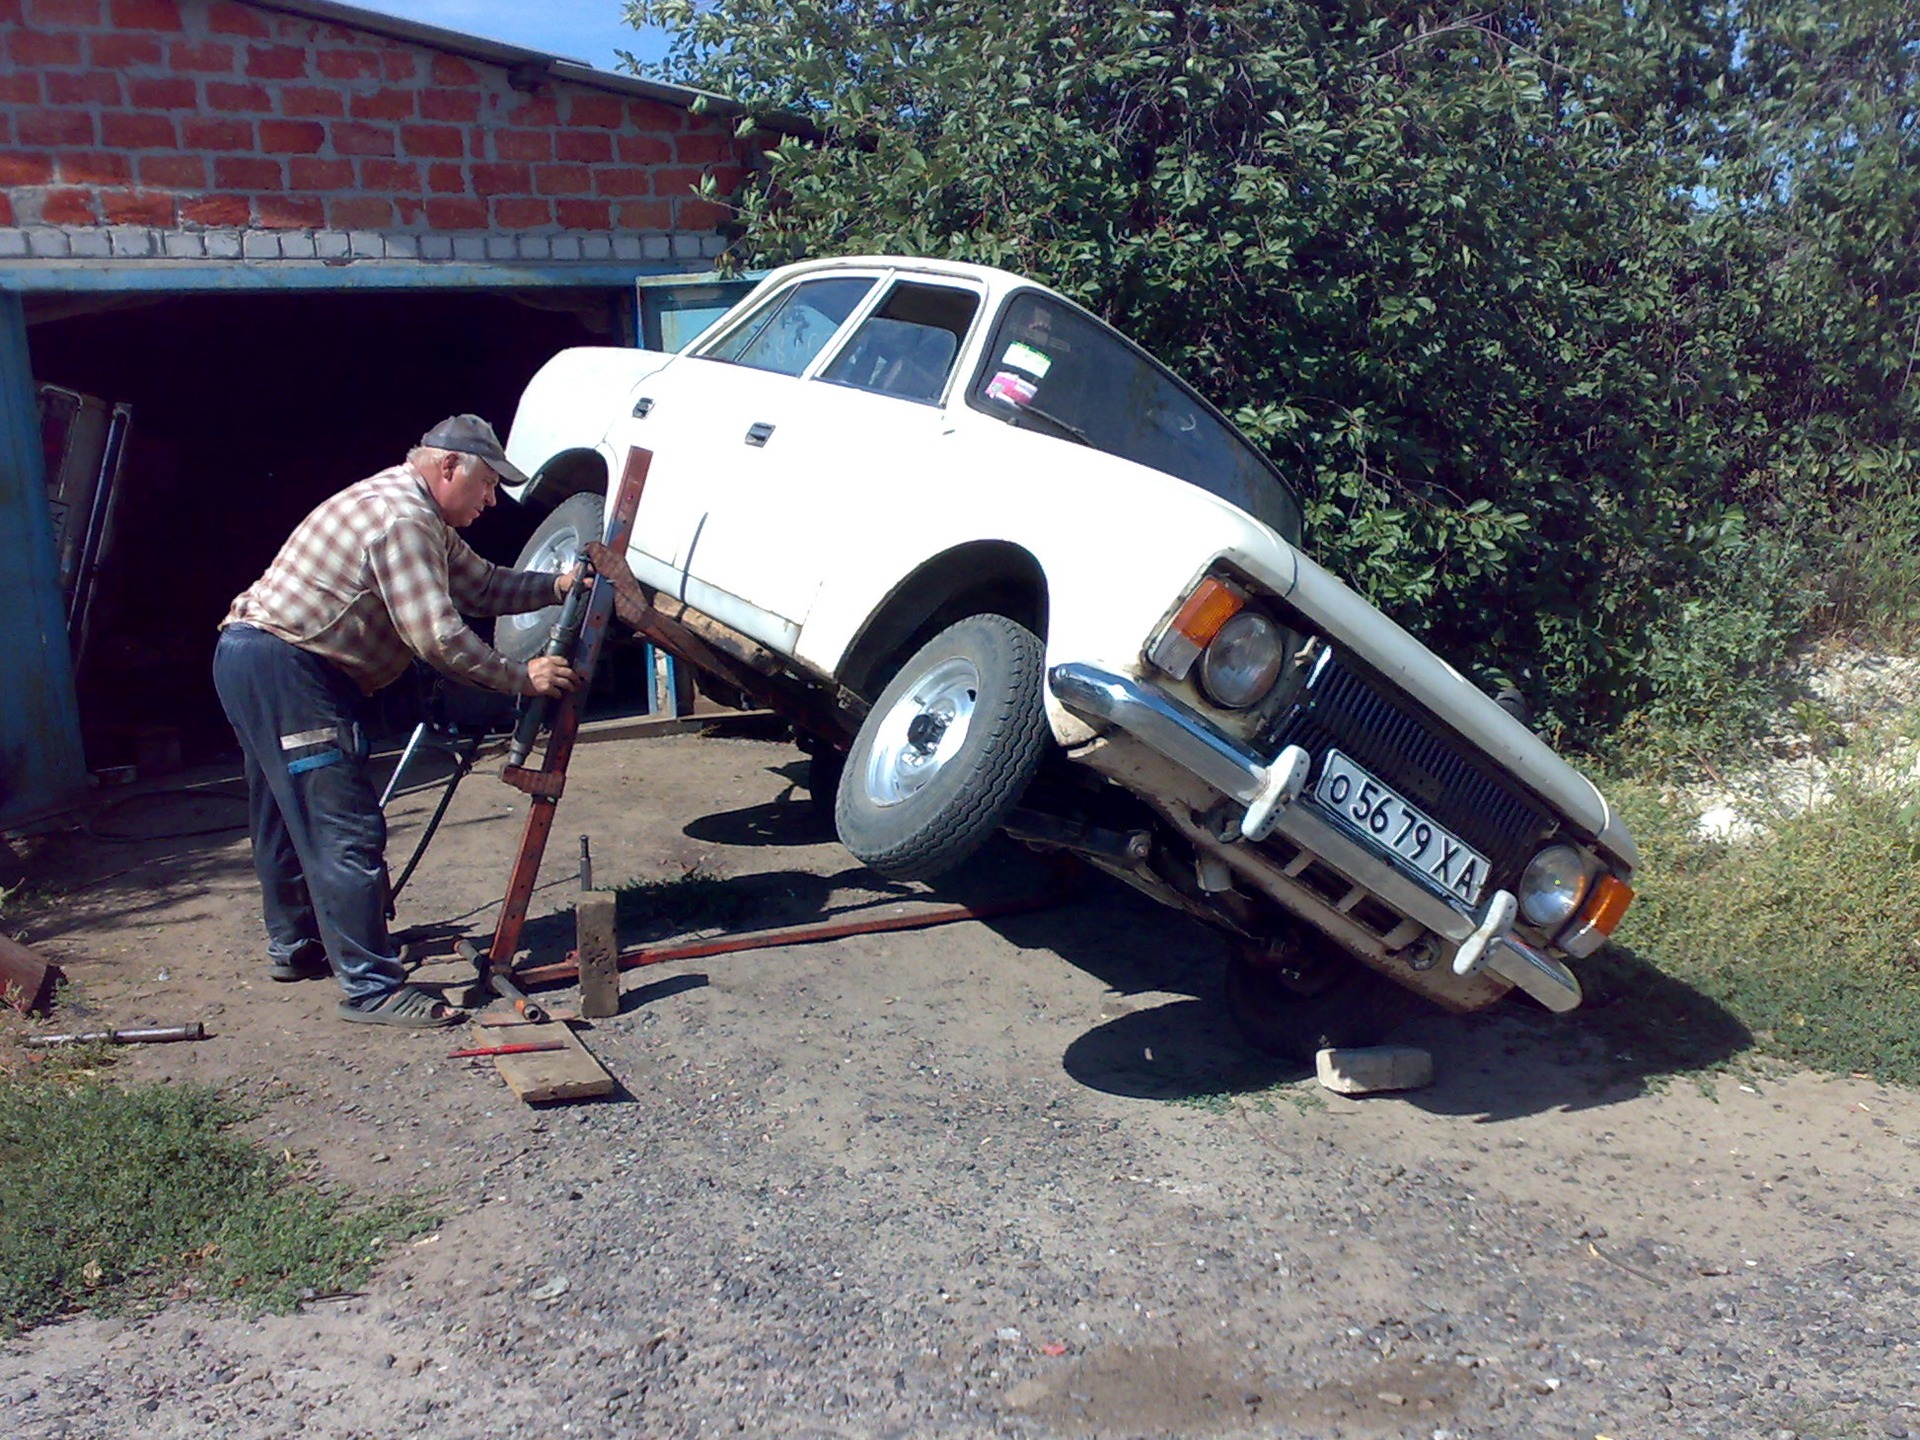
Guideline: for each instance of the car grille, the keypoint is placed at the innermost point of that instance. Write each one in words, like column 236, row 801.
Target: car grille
column 1429, row 766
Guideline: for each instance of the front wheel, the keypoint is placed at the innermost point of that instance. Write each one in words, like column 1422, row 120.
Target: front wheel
column 946, row 751
column 1298, row 995
column 571, row 524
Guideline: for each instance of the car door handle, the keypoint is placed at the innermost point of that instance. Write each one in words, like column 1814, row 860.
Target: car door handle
column 643, row 407
column 759, row 433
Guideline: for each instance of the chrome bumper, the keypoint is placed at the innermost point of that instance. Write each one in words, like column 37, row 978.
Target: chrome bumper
column 1226, row 765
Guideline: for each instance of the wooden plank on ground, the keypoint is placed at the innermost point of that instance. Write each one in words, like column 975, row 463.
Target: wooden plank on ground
column 569, row 1074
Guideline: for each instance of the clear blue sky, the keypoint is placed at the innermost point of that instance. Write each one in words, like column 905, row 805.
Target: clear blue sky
column 588, row 30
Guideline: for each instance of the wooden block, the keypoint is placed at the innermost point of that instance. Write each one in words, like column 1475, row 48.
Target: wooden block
column 1364, row 1070
column 597, row 953
column 569, row 1074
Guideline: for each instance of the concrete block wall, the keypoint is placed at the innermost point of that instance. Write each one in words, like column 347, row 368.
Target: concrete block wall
column 220, row 130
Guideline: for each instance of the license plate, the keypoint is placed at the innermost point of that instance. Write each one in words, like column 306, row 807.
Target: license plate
column 1361, row 803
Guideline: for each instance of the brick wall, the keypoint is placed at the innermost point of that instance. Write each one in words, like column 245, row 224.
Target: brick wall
column 217, row 129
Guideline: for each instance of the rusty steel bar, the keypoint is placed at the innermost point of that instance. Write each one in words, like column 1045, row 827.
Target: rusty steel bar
column 151, row 1035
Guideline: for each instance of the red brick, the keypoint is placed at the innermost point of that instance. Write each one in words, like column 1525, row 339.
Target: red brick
column 312, row 102
column 652, row 115
column 226, row 18
column 217, row 210
column 676, row 181
column 520, row 213
column 352, row 138
column 277, row 62
column 584, row 214
column 34, row 48
column 57, row 127
column 246, row 172
column 603, row 112
column 71, row 14
column 523, row 144
column 124, row 52
column 536, row 112
column 447, row 179
column 644, row 149
column 137, row 132
column 644, row 215
column 83, row 87
column 200, row 58
column 704, row 149
column 398, row 67
column 410, row 208
column 137, row 207
column 292, row 137
column 6, row 211
column 562, row 180
column 94, row 167
column 359, row 212
column 200, row 133
column 390, row 177
column 146, row 15
column 162, row 92
column 69, row 207
column 693, row 214
column 241, row 98
column 309, row 172
column 383, row 105
column 502, row 179
column 174, row 172
column 450, row 214
column 620, row 180
column 289, row 212
column 433, row 141
column 450, row 70
column 458, row 105
column 349, row 64
column 583, row 145
column 20, row 88
column 25, row 169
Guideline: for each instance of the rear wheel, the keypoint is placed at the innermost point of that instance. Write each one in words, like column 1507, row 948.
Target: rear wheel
column 946, row 750
column 573, row 522
column 1297, row 995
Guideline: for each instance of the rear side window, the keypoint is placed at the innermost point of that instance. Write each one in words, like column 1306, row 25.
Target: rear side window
column 906, row 348
column 793, row 327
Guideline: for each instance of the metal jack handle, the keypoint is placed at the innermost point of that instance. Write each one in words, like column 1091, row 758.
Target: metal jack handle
column 487, row 978
column 561, row 642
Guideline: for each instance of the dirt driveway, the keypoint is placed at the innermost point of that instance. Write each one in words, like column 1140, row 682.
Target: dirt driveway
column 992, row 1179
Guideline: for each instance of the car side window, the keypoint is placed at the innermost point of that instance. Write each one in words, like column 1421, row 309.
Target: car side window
column 1053, row 369
column 906, row 348
column 794, row 326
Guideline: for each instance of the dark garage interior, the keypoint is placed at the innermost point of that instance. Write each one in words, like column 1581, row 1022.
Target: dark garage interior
column 247, row 410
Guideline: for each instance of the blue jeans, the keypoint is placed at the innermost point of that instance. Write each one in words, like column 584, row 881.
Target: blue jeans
column 319, row 839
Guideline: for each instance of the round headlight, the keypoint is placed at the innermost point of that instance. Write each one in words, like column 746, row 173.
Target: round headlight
column 1243, row 660
column 1553, row 886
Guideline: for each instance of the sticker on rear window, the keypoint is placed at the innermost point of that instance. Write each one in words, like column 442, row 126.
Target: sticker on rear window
column 1028, row 359
column 1014, row 389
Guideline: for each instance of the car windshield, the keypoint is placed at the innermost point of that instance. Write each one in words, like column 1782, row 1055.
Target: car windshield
column 1054, row 369
column 784, row 334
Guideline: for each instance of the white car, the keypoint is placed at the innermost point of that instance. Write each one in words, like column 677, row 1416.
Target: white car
column 1002, row 569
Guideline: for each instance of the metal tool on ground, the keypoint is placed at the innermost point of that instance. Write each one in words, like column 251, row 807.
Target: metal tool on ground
column 487, row 977
column 480, row 1052
column 148, row 1035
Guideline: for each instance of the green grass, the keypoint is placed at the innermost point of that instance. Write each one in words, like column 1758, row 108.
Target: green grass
column 1802, row 945
column 696, row 899
column 112, row 1196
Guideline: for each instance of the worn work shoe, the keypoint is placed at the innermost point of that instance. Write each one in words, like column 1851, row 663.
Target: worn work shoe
column 405, row 1005
column 309, row 962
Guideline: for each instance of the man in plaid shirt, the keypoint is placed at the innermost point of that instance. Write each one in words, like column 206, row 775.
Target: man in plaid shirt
column 371, row 579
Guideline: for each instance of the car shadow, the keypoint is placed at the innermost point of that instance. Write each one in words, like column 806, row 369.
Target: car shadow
column 792, row 818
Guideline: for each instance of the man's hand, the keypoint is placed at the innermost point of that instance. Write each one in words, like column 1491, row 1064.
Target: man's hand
column 551, row 675
column 567, row 579
column 610, row 563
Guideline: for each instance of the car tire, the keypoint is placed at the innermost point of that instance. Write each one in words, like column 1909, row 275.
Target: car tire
column 946, row 750
column 1295, row 996
column 574, row 521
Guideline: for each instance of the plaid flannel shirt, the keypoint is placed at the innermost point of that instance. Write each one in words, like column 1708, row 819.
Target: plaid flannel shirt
column 375, row 576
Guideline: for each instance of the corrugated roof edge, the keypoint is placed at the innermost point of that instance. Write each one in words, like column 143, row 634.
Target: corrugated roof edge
column 512, row 57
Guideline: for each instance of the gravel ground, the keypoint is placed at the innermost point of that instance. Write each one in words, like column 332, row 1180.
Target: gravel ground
column 991, row 1179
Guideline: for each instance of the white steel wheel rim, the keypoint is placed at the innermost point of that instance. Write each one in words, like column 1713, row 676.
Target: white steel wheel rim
column 922, row 732
column 556, row 554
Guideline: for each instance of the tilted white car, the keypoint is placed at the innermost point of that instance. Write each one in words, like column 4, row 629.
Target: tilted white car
column 1016, row 575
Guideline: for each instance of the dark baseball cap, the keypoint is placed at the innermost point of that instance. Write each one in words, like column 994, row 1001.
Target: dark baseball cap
column 471, row 435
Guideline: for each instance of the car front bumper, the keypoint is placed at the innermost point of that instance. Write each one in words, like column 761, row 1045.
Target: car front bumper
column 1227, row 766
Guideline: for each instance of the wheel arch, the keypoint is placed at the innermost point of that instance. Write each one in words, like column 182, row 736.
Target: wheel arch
column 982, row 576
column 562, row 476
